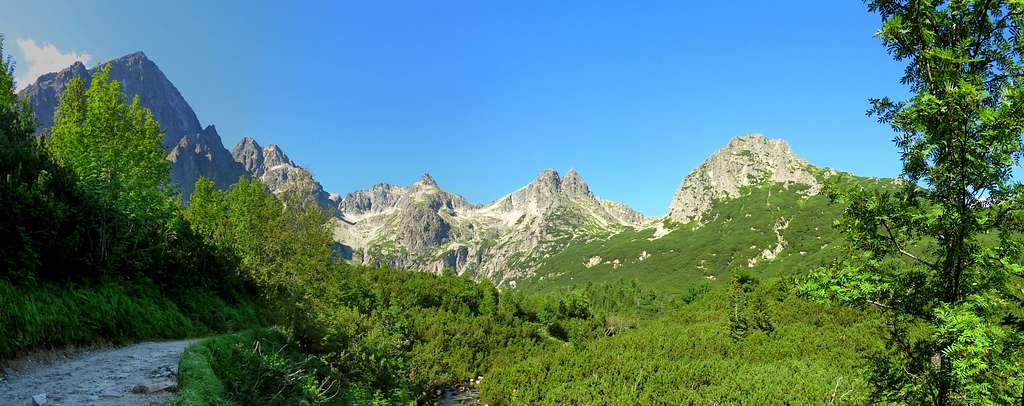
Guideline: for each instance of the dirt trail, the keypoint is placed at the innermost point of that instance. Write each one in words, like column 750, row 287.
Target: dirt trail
column 141, row 374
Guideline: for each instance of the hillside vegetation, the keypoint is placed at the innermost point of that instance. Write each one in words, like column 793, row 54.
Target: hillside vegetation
column 398, row 337
column 770, row 230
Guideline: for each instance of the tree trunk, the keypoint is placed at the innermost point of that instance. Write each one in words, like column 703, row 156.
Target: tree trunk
column 943, row 398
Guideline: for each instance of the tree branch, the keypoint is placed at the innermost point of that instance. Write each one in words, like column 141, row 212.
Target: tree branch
column 895, row 243
column 876, row 303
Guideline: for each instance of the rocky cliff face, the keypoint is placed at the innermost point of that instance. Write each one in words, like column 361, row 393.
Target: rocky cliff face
column 202, row 154
column 192, row 150
column 281, row 175
column 379, row 199
column 423, row 227
column 745, row 161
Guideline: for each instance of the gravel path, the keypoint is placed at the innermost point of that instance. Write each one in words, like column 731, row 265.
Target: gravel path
column 141, row 374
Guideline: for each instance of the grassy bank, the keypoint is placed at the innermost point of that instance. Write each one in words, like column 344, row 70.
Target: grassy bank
column 49, row 315
column 198, row 383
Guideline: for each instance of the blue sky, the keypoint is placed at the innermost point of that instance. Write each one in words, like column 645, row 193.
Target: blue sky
column 484, row 95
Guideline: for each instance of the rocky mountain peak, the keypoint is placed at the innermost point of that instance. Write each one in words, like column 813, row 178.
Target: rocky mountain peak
column 573, row 184
column 271, row 166
column 248, row 143
column 547, row 193
column 378, row 198
column 547, row 180
column 549, row 183
column 77, row 67
column 44, row 94
column 137, row 56
column 202, row 154
column 746, row 160
column 193, row 151
column 274, row 156
column 139, row 76
column 249, row 154
column 426, row 180
column 757, row 144
column 439, row 230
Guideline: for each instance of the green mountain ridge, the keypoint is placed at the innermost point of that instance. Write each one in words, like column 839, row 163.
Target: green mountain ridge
column 771, row 229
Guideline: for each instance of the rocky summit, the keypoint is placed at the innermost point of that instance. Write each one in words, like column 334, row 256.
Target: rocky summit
column 139, row 76
column 281, row 175
column 202, row 154
column 747, row 160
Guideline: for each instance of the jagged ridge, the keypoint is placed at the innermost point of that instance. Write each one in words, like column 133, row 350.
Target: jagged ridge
column 426, row 228
column 281, row 175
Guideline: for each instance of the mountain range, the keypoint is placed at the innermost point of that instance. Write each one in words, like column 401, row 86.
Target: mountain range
column 555, row 219
column 193, row 150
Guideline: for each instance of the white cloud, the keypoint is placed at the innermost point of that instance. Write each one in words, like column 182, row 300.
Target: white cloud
column 43, row 58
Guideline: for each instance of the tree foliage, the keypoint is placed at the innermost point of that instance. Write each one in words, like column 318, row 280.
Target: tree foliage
column 280, row 245
column 940, row 254
column 114, row 149
column 40, row 226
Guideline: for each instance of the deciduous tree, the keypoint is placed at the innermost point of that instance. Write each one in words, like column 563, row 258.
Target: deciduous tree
column 940, row 255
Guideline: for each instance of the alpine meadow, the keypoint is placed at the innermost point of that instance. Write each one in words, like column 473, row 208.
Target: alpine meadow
column 142, row 262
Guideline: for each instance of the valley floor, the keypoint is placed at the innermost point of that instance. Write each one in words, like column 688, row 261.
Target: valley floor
column 140, row 374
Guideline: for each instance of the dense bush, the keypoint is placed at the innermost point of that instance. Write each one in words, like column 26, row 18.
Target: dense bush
column 687, row 356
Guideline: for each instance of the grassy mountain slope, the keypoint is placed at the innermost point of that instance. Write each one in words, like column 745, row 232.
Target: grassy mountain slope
column 737, row 235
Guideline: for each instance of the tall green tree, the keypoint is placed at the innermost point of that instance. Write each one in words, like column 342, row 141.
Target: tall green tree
column 23, row 168
column 282, row 243
column 113, row 147
column 940, row 255
column 45, row 221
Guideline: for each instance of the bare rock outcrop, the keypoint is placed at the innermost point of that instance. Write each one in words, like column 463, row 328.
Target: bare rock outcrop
column 281, row 175
column 747, row 160
column 139, row 76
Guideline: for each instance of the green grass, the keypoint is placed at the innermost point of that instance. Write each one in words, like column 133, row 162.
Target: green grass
column 198, row 383
column 49, row 315
column 209, row 368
